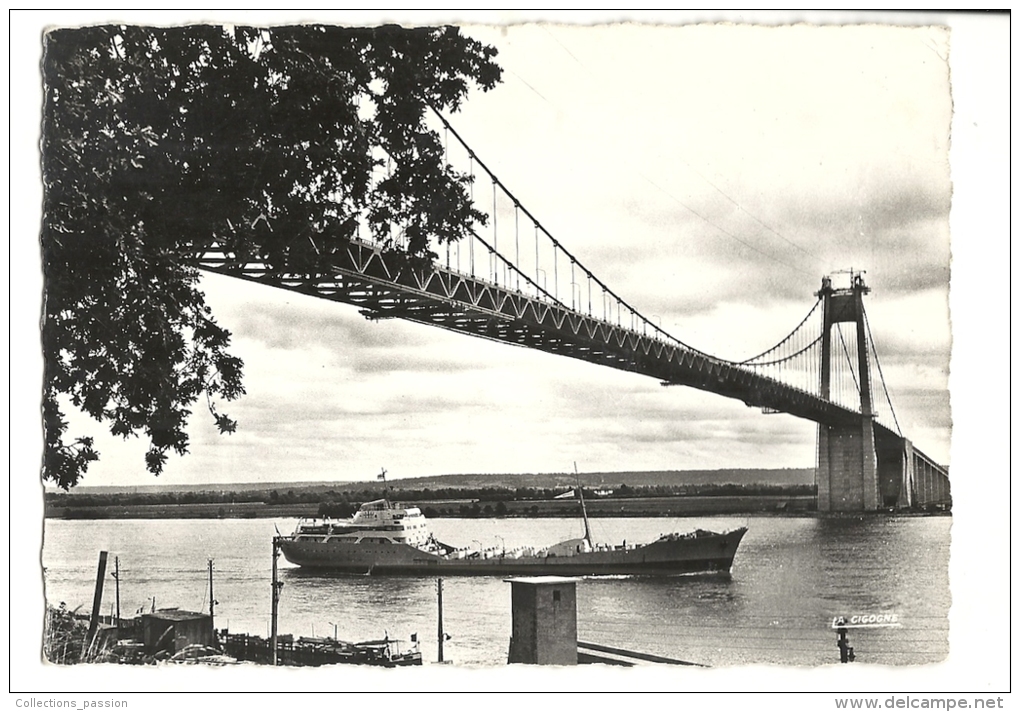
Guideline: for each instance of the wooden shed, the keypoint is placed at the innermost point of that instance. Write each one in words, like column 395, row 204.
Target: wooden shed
column 173, row 629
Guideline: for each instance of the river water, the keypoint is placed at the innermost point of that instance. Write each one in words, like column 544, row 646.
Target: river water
column 791, row 576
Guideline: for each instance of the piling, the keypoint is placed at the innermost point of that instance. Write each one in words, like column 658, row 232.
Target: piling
column 212, row 601
column 116, row 578
column 441, row 634
column 276, row 600
column 97, row 600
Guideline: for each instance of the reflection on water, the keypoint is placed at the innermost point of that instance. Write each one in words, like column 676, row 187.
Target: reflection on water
column 791, row 576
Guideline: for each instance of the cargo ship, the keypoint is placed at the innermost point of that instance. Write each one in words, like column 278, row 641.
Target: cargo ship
column 383, row 538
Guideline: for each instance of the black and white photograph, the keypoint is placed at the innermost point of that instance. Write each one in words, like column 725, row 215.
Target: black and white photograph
column 510, row 352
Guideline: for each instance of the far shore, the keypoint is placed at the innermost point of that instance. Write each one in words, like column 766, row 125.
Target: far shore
column 681, row 506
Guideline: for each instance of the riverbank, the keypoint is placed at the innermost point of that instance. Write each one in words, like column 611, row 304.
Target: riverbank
column 678, row 506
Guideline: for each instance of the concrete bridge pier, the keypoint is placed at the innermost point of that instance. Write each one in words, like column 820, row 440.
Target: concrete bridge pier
column 871, row 468
column 905, row 498
column 847, row 468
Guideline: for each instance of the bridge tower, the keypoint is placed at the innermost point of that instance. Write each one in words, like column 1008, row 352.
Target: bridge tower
column 847, row 467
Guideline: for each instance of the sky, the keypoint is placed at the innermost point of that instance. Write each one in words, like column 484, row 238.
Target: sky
column 710, row 176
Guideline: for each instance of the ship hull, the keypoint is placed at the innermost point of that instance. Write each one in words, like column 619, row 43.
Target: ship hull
column 711, row 553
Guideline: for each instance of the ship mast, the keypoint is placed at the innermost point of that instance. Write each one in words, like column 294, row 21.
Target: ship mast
column 584, row 511
column 386, row 487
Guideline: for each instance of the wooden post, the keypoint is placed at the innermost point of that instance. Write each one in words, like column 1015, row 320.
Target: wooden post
column 212, row 601
column 116, row 578
column 442, row 636
column 97, row 600
column 276, row 599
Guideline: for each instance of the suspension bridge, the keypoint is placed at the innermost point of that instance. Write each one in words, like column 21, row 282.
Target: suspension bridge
column 515, row 283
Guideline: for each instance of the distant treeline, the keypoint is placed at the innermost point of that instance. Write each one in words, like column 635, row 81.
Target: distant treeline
column 342, row 502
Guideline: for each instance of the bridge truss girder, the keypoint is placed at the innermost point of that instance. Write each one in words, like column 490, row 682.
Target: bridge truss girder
column 387, row 284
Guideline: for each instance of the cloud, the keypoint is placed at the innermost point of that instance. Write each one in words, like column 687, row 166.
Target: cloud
column 820, row 153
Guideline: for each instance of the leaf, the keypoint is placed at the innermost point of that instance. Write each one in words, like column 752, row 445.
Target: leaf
column 155, row 459
column 225, row 424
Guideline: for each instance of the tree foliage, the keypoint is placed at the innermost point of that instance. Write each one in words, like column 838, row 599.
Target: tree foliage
column 269, row 145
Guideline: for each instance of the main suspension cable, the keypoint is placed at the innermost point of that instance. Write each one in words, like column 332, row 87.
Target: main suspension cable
column 881, row 376
column 849, row 361
column 787, row 338
column 607, row 292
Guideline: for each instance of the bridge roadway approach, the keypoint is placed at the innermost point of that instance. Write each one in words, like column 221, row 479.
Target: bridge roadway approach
column 388, row 284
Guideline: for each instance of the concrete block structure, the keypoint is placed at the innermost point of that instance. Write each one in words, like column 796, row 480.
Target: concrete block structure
column 544, row 627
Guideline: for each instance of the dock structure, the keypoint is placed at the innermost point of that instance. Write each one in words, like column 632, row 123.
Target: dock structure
column 609, row 655
column 314, row 652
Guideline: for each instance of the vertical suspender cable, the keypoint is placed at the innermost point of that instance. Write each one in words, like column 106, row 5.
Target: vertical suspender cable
column 874, row 350
column 471, row 244
column 389, row 175
column 835, row 364
column 446, row 162
column 797, row 367
column 807, row 360
column 779, row 367
column 536, row 258
column 795, row 361
column 821, row 352
column 556, row 271
column 805, row 366
column 572, row 283
column 495, row 238
column 517, row 246
column 834, row 369
column 843, row 377
column 821, row 330
column 798, row 373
